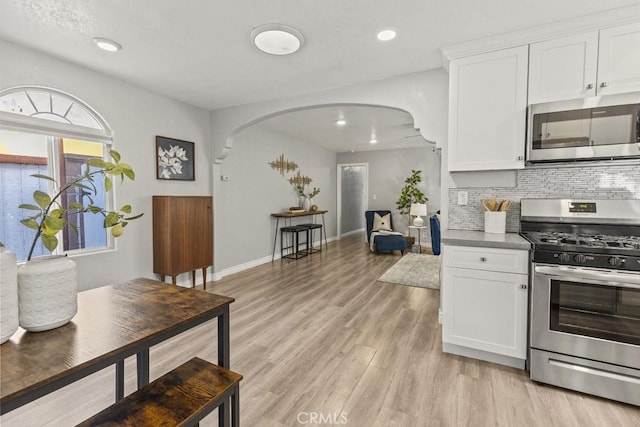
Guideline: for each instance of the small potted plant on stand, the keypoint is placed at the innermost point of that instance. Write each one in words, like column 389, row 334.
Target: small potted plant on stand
column 410, row 194
column 47, row 286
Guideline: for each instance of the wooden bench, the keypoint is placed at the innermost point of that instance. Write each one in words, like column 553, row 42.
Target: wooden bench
column 181, row 397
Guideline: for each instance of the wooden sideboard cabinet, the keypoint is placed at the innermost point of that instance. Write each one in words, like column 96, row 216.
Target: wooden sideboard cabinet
column 182, row 236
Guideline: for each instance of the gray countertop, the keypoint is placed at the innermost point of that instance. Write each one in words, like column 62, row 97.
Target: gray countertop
column 485, row 240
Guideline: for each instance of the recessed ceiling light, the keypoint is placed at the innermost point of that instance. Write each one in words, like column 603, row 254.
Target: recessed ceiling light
column 341, row 122
column 386, row 35
column 106, row 44
column 277, row 39
column 373, row 140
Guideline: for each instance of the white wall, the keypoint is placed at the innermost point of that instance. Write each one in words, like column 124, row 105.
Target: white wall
column 136, row 116
column 244, row 227
column 424, row 95
column 387, row 171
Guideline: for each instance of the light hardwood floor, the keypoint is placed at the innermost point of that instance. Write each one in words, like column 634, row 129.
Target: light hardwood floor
column 319, row 339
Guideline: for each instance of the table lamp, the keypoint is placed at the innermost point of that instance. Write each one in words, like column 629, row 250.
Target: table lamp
column 418, row 210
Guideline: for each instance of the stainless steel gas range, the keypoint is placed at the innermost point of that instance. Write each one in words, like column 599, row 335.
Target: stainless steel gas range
column 585, row 295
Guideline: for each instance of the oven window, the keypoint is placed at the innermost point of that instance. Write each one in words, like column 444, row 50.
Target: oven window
column 607, row 312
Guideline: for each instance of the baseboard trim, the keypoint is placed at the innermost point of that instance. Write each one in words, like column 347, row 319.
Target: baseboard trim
column 483, row 355
column 218, row 275
column 351, row 233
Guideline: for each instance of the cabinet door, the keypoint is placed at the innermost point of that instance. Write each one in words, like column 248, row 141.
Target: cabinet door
column 563, row 68
column 619, row 60
column 485, row 310
column 192, row 233
column 487, row 110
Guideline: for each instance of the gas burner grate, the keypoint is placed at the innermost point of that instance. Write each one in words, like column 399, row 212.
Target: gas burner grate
column 593, row 241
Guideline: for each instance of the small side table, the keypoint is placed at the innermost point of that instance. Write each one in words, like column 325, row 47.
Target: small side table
column 419, row 228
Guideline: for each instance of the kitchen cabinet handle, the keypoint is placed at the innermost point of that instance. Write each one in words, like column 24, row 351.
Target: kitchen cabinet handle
column 523, row 286
column 604, row 84
column 590, row 86
column 520, row 157
column 483, row 259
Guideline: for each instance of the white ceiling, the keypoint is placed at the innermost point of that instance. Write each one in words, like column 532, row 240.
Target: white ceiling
column 392, row 128
column 199, row 51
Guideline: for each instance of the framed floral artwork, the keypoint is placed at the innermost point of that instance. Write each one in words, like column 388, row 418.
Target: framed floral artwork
column 175, row 159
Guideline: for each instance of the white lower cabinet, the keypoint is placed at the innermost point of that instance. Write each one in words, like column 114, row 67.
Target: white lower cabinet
column 484, row 303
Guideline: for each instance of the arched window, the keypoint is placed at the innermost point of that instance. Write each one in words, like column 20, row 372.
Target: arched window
column 47, row 131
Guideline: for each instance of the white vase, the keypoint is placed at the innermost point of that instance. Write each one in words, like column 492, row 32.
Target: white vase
column 306, row 204
column 8, row 295
column 301, row 201
column 47, row 293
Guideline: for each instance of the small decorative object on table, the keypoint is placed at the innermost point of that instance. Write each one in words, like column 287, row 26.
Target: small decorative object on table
column 47, row 287
column 495, row 215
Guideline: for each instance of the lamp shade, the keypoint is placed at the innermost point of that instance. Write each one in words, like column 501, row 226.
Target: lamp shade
column 418, row 209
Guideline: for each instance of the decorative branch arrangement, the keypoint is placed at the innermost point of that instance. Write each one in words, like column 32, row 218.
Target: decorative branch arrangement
column 283, row 165
column 298, row 181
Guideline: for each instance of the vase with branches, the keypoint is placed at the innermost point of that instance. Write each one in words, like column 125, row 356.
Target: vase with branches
column 54, row 280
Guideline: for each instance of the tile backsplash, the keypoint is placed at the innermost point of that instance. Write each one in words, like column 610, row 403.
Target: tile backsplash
column 588, row 182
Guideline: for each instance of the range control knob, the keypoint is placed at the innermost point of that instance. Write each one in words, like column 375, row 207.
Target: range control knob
column 564, row 257
column 580, row 259
column 614, row 261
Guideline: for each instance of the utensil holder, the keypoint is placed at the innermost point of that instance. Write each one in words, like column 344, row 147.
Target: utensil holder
column 495, row 222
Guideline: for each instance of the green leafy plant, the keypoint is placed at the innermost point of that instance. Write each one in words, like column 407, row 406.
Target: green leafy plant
column 51, row 216
column 410, row 194
column 314, row 193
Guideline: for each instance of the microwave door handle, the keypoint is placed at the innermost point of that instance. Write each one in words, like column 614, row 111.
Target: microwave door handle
column 608, row 278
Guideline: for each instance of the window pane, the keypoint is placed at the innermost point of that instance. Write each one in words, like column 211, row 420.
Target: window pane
column 24, row 154
column 91, row 233
column 21, row 155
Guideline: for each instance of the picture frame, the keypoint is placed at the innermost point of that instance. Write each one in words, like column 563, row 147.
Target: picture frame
column 175, row 159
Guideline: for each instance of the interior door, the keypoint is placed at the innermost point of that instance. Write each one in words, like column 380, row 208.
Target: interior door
column 352, row 196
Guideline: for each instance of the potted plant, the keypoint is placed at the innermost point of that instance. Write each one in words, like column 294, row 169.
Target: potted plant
column 410, row 194
column 47, row 286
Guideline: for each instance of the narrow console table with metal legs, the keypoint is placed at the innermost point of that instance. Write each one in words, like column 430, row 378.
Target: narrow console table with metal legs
column 287, row 216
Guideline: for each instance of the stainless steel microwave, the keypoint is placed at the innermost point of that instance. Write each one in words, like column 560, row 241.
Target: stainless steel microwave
column 598, row 128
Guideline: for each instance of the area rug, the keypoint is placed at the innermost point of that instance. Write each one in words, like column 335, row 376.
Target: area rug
column 413, row 269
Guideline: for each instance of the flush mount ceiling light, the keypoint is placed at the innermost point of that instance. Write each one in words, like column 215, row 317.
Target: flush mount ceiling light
column 277, row 39
column 373, row 140
column 106, row 44
column 386, row 35
column 341, row 122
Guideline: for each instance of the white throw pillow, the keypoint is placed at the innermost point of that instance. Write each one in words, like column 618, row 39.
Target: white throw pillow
column 381, row 222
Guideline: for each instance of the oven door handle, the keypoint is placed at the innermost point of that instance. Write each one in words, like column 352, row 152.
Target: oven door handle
column 625, row 280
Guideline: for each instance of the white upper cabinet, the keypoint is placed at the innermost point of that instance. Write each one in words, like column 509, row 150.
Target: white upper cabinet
column 619, row 60
column 563, row 68
column 487, row 110
column 595, row 63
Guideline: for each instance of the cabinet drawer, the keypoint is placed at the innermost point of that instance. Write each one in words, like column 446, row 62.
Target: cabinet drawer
column 493, row 259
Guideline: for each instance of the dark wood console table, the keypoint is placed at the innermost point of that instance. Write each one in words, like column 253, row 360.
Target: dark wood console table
column 112, row 323
column 288, row 215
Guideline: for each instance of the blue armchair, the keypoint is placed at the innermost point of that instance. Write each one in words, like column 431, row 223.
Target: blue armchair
column 386, row 242
column 435, row 234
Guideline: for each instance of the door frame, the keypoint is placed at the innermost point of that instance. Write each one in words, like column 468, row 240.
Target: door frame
column 339, row 169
